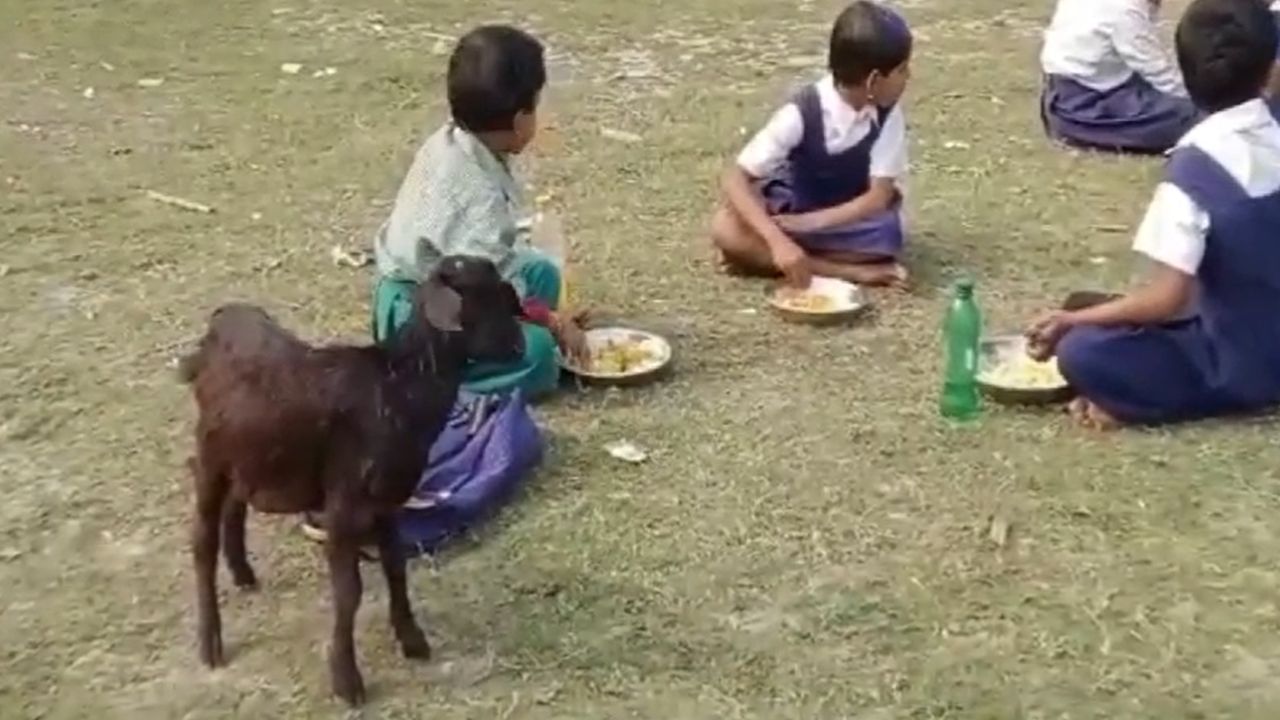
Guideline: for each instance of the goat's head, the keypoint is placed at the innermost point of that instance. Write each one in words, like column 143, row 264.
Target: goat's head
column 467, row 298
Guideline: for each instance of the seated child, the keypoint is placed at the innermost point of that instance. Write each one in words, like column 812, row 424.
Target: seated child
column 1213, row 231
column 817, row 190
column 460, row 198
column 1109, row 85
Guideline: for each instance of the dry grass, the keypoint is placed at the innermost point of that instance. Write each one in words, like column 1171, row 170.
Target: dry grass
column 804, row 542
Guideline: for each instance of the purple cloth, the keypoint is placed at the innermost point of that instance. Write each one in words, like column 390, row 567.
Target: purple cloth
column 1132, row 118
column 814, row 179
column 489, row 446
column 1226, row 359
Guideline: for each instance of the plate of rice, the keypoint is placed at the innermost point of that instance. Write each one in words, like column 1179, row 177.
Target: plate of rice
column 826, row 301
column 622, row 356
column 1008, row 374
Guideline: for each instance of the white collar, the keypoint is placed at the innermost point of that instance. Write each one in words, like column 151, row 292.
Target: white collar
column 839, row 111
column 1251, row 114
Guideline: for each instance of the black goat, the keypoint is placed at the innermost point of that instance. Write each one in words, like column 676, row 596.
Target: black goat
column 285, row 427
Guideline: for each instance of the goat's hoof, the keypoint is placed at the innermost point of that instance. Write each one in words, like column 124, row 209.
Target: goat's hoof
column 349, row 687
column 211, row 653
column 414, row 645
column 245, row 579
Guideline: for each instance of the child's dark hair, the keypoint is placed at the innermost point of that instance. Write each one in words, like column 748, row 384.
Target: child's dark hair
column 495, row 72
column 1226, row 49
column 867, row 37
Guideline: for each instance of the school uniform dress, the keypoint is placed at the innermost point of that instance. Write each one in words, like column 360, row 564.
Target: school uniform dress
column 1216, row 216
column 817, row 152
column 1109, row 83
column 459, row 198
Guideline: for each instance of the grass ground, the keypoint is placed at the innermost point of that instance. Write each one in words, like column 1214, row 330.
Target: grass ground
column 803, row 543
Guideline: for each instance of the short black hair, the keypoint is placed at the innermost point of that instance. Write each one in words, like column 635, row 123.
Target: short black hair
column 1226, row 49
column 495, row 72
column 867, row 37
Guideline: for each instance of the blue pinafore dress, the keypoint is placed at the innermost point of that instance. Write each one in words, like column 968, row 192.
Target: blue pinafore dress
column 813, row 179
column 1133, row 118
column 1226, row 358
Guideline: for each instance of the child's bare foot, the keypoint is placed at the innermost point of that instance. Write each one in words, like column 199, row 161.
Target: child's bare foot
column 1091, row 416
column 890, row 274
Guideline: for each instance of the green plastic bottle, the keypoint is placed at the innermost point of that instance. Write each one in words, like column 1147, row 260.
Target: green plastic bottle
column 962, row 331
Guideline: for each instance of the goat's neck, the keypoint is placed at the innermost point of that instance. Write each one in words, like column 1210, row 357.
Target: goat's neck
column 420, row 355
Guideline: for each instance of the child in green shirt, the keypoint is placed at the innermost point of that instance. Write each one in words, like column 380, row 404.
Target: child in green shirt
column 460, row 198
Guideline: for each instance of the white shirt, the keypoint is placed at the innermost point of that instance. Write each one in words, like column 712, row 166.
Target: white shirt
column 1245, row 141
column 1102, row 43
column 843, row 127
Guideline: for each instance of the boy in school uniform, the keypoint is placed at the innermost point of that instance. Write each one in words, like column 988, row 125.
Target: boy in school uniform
column 818, row 190
column 1213, row 232
column 1109, row 84
column 460, row 198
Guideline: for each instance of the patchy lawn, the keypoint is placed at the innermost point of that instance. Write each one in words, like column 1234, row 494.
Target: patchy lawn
column 808, row 539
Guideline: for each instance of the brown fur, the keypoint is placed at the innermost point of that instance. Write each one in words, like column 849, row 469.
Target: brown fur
column 286, row 427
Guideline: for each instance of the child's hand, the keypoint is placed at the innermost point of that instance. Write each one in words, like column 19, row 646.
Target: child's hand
column 1044, row 334
column 802, row 223
column 571, row 336
column 792, row 263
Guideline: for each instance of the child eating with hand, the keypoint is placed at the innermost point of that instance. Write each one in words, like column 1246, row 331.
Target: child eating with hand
column 1202, row 337
column 460, row 198
column 817, row 191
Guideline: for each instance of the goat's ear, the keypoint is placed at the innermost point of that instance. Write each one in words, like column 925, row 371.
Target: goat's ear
column 441, row 305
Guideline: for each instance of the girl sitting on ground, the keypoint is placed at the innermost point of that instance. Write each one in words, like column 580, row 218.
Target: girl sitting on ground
column 1109, row 84
column 817, row 190
column 1202, row 337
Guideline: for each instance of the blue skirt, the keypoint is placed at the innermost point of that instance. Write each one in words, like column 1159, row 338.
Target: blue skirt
column 1132, row 118
column 1150, row 375
column 880, row 236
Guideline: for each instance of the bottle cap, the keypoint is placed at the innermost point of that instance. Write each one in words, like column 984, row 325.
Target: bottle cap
column 964, row 284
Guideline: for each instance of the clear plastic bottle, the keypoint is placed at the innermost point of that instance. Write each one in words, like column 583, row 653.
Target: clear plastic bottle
column 548, row 236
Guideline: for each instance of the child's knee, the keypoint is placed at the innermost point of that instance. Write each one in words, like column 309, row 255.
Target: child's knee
column 724, row 226
column 1079, row 353
column 732, row 235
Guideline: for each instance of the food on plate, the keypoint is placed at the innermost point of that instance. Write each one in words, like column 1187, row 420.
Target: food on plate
column 805, row 301
column 1024, row 373
column 619, row 356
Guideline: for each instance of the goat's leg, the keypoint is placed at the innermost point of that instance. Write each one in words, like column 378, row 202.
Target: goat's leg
column 211, row 492
column 233, row 551
column 344, row 574
column 413, row 643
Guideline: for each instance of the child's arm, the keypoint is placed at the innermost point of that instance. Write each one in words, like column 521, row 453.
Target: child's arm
column 888, row 163
column 764, row 154
column 878, row 198
column 1160, row 300
column 746, row 202
column 1173, row 235
column 1137, row 41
